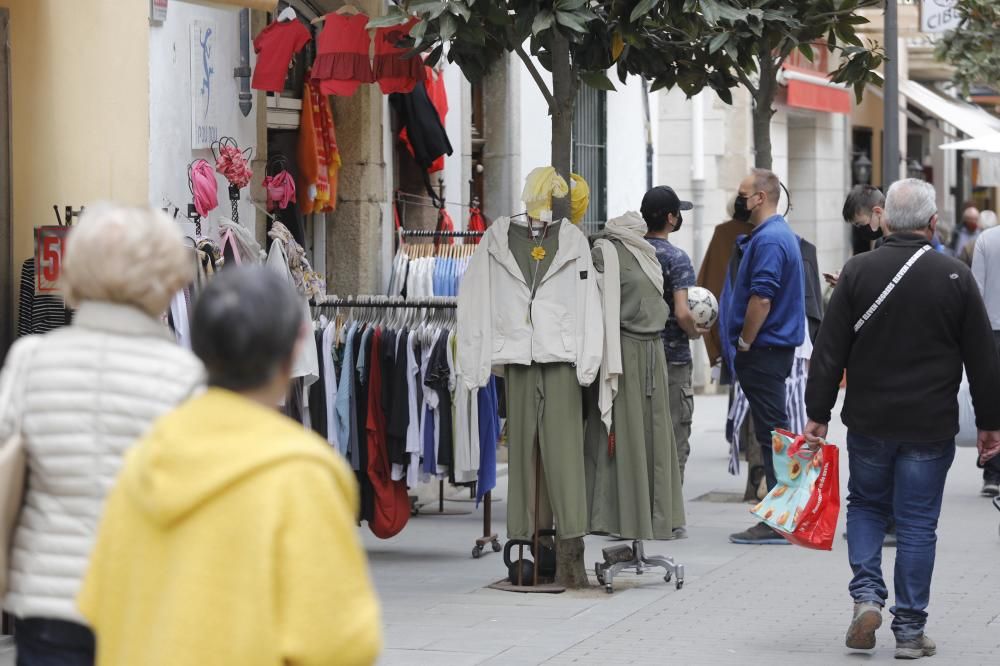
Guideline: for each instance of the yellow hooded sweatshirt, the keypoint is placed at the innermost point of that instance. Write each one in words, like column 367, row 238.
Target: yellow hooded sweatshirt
column 230, row 538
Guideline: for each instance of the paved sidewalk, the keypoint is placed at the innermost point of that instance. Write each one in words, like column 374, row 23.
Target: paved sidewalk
column 740, row 604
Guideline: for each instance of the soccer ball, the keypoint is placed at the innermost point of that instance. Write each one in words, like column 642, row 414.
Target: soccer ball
column 703, row 305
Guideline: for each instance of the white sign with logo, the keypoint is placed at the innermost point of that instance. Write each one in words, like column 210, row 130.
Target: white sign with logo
column 205, row 85
column 939, row 15
column 158, row 10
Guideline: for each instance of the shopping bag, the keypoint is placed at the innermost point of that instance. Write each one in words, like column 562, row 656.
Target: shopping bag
column 805, row 505
column 968, row 434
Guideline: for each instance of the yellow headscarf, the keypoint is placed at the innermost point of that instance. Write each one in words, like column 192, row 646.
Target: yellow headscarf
column 544, row 183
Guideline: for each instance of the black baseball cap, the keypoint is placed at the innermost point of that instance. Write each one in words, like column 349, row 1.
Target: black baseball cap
column 662, row 200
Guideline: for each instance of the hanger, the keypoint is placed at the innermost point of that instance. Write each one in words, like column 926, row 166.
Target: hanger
column 346, row 10
column 287, row 14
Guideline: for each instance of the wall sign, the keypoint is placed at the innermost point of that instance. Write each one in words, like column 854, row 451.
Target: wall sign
column 939, row 15
column 205, row 105
column 50, row 247
column 158, row 11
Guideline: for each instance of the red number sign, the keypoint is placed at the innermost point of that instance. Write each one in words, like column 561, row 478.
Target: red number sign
column 50, row 244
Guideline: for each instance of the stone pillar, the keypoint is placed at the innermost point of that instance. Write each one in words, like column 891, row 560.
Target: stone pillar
column 354, row 230
column 502, row 127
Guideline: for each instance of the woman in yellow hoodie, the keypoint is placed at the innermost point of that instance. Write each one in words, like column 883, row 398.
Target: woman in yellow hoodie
column 230, row 537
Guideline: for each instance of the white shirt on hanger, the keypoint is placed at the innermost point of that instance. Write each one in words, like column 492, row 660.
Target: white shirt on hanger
column 330, row 382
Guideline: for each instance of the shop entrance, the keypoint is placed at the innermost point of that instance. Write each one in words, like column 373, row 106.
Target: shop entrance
column 6, row 229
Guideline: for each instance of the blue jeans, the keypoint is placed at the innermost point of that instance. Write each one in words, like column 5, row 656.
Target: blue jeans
column 42, row 642
column 906, row 481
column 762, row 374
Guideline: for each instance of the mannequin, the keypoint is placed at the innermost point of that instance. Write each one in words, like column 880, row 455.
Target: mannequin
column 633, row 477
column 529, row 308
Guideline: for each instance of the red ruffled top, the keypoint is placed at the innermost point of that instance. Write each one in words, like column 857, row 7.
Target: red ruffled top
column 396, row 69
column 275, row 46
column 342, row 63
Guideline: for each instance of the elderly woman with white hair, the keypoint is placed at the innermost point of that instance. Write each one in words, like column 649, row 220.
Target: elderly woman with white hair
column 80, row 397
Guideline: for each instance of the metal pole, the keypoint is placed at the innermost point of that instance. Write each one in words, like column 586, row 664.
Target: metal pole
column 890, row 134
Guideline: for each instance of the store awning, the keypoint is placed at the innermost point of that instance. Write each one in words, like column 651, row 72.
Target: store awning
column 263, row 5
column 814, row 92
column 970, row 120
column 989, row 143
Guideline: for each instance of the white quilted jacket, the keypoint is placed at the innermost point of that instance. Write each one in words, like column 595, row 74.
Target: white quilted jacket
column 90, row 390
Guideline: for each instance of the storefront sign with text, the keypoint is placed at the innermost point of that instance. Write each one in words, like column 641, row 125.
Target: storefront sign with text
column 158, row 10
column 939, row 15
column 50, row 248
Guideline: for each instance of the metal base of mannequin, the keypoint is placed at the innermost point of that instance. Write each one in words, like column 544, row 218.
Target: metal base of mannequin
column 617, row 560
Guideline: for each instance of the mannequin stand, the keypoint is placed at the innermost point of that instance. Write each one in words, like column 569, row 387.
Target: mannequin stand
column 617, row 560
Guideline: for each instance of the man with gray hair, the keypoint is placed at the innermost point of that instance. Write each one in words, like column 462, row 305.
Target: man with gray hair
column 902, row 322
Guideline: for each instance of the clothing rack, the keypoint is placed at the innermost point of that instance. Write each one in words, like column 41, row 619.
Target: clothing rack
column 431, row 233
column 489, row 537
column 70, row 213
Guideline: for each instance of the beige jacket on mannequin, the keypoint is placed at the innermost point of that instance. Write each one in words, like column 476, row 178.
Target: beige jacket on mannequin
column 565, row 323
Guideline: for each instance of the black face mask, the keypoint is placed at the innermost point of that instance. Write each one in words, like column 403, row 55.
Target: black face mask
column 680, row 221
column 740, row 210
column 867, row 233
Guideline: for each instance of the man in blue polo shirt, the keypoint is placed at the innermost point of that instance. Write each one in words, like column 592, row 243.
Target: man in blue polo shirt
column 766, row 319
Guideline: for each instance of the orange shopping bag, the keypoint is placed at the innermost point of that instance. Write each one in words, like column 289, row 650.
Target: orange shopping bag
column 805, row 505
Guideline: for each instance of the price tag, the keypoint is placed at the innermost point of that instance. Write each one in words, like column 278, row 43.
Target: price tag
column 50, row 246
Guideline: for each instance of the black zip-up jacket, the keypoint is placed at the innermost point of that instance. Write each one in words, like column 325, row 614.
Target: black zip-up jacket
column 905, row 364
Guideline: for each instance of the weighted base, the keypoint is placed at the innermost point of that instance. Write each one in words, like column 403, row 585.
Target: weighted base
column 615, row 563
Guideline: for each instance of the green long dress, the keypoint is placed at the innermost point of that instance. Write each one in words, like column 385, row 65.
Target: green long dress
column 635, row 492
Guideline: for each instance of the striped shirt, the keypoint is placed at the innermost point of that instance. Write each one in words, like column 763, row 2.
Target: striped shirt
column 39, row 313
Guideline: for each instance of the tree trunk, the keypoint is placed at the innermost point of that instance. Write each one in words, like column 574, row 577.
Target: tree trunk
column 571, row 572
column 763, row 110
column 564, row 97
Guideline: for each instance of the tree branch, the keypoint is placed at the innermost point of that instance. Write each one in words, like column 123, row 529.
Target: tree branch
column 537, row 76
column 747, row 83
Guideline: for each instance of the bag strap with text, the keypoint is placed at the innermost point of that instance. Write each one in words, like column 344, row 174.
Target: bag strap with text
column 889, row 287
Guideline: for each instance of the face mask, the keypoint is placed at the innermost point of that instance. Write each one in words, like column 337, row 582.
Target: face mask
column 740, row 210
column 680, row 221
column 867, row 233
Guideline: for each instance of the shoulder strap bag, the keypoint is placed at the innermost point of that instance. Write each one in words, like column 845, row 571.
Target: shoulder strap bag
column 13, row 462
column 889, row 287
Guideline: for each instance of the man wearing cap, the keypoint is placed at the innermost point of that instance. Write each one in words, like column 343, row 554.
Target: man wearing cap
column 765, row 320
column 661, row 209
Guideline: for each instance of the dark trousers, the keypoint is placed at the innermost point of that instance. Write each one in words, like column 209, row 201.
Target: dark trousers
column 762, row 374
column 991, row 470
column 906, row 481
column 42, row 642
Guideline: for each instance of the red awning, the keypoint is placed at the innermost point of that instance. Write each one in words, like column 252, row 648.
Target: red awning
column 819, row 96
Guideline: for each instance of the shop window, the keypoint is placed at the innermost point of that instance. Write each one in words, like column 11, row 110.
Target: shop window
column 590, row 153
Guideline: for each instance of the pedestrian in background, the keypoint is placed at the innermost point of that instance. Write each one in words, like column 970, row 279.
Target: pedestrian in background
column 661, row 209
column 903, row 353
column 766, row 320
column 967, row 231
column 986, row 271
column 85, row 393
column 987, row 220
column 864, row 210
column 230, row 537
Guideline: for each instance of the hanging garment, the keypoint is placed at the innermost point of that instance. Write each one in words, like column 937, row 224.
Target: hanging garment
column 503, row 323
column 396, row 69
column 306, row 363
column 204, row 187
column 437, row 379
column 466, row 436
column 489, row 437
column 306, row 281
column 239, row 240
column 438, row 96
column 40, row 313
column 280, row 190
column 317, row 392
column 391, row 503
column 179, row 316
column 345, row 412
column 342, row 55
column 319, row 157
column 329, row 367
column 633, row 477
column 476, row 223
column 424, row 129
column 275, row 47
column 415, row 401
column 447, row 225
column 395, row 400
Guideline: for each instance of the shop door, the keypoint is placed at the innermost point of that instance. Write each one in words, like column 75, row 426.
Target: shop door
column 6, row 230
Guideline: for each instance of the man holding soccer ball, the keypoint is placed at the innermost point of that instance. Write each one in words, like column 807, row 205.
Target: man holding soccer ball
column 661, row 209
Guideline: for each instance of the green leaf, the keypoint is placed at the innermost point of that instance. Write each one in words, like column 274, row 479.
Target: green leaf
column 570, row 5
column 718, row 41
column 543, row 21
column 449, row 26
column 434, row 56
column 434, row 8
column 571, row 21
column 459, row 9
column 597, row 80
column 418, row 31
column 806, row 50
column 643, row 8
column 389, row 20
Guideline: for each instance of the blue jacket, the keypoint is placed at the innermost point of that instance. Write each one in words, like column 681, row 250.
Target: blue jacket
column 771, row 268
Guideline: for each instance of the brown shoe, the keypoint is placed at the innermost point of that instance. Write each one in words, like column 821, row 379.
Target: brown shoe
column 867, row 620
